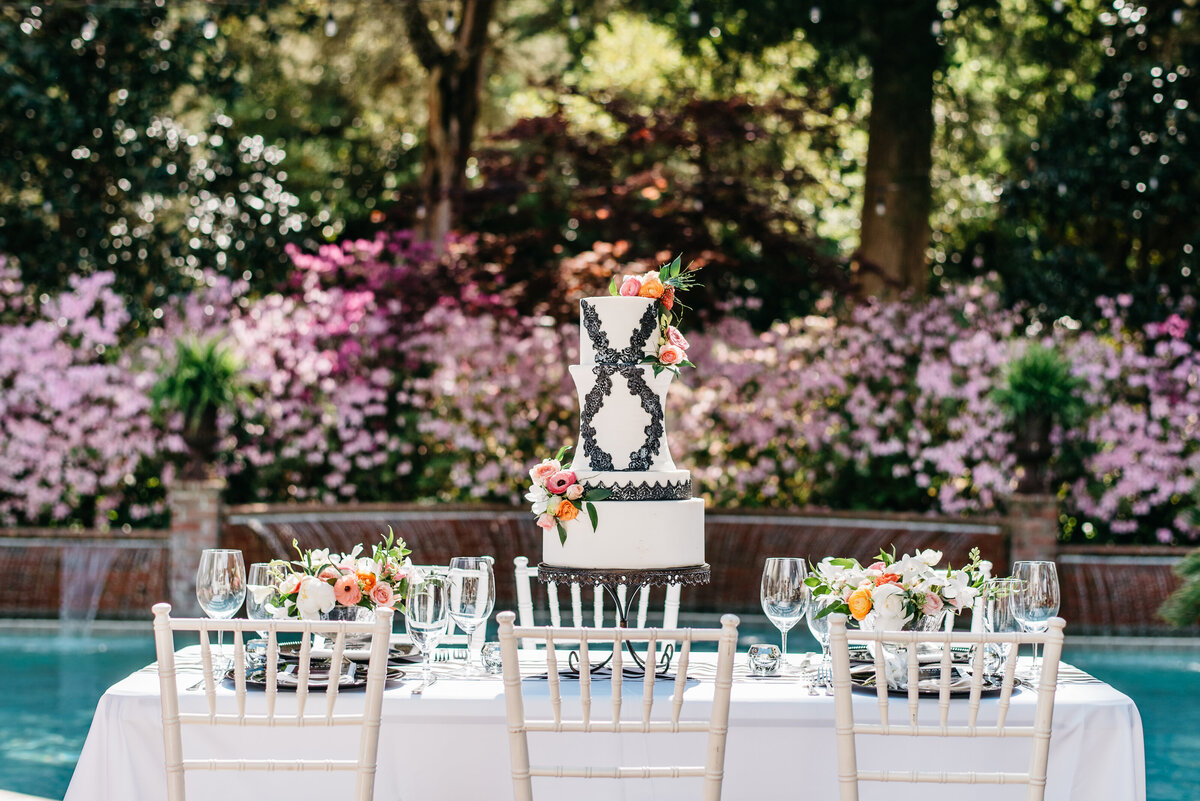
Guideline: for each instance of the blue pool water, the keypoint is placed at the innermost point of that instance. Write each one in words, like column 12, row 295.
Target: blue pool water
column 54, row 681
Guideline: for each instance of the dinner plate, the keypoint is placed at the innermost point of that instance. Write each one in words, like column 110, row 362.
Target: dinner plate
column 927, row 684
column 288, row 678
column 399, row 653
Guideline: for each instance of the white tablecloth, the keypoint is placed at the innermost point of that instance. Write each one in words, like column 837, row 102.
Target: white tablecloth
column 451, row 743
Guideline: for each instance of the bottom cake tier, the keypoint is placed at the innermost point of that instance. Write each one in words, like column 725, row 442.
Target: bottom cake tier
column 633, row 535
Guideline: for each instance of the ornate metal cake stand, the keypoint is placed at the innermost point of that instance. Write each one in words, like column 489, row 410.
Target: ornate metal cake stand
column 636, row 582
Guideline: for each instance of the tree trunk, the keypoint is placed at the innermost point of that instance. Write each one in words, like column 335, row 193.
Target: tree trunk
column 455, row 81
column 896, row 204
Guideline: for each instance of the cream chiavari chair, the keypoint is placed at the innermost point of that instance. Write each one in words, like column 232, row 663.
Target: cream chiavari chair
column 231, row 710
column 716, row 726
column 847, row 729
column 526, row 575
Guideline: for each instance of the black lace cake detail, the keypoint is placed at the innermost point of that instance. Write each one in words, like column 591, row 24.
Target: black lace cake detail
column 604, row 352
column 598, row 458
column 641, row 459
column 645, row 491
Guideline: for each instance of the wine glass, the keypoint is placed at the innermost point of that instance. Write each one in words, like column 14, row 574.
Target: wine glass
column 220, row 589
column 784, row 595
column 260, row 593
column 1038, row 597
column 426, row 619
column 472, row 596
column 819, row 626
column 999, row 616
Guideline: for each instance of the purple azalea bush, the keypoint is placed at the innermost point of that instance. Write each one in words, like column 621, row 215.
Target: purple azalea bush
column 382, row 373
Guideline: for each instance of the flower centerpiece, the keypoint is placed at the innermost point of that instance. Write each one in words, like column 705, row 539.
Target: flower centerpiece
column 557, row 496
column 893, row 594
column 319, row 582
column 664, row 286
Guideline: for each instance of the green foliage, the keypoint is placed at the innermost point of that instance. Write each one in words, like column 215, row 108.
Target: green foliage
column 120, row 154
column 1039, row 382
column 1182, row 607
column 204, row 377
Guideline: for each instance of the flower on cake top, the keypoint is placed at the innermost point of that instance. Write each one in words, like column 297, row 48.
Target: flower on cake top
column 556, row 495
column 662, row 285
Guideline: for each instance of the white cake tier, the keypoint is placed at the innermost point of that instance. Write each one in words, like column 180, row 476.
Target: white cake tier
column 621, row 419
column 649, row 485
column 617, row 330
column 631, row 536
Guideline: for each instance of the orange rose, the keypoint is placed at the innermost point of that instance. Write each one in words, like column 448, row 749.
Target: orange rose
column 567, row 511
column 651, row 287
column 367, row 580
column 888, row 578
column 859, row 603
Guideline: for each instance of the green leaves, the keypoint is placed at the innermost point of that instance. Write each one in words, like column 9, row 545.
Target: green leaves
column 597, row 494
column 561, row 453
column 591, row 510
column 612, row 287
column 670, row 270
column 562, row 532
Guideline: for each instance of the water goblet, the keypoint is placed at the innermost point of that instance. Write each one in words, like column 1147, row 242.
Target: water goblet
column 261, row 579
column 999, row 616
column 818, row 624
column 472, row 589
column 220, row 589
column 784, row 596
column 426, row 619
column 1038, row 598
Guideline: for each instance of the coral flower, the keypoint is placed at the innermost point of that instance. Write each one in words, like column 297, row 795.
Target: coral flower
column 329, row 573
column 888, row 578
column 651, row 287
column 366, row 580
column 559, row 482
column 860, row 603
column 347, row 591
column 567, row 511
column 671, row 354
column 631, row 286
column 675, row 338
column 382, row 594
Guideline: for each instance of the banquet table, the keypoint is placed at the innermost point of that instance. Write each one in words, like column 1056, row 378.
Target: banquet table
column 451, row 742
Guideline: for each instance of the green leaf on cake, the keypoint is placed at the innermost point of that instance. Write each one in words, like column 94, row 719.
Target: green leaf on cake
column 597, row 494
column 561, row 452
column 591, row 510
column 612, row 287
column 675, row 266
column 686, row 363
column 562, row 533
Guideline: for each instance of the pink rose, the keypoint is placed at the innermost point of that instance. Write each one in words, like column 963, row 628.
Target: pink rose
column 542, row 472
column 631, row 286
column 671, row 354
column 933, row 603
column 546, row 521
column 675, row 338
column 382, row 593
column 347, row 591
column 574, row 492
column 880, row 566
column 559, row 482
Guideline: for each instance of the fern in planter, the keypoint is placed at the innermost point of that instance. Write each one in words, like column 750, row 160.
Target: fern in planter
column 204, row 378
column 1038, row 390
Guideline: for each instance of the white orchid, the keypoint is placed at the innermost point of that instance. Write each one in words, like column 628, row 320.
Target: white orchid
column 539, row 496
column 929, row 557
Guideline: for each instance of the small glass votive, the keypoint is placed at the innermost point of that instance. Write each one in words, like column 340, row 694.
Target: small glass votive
column 764, row 659
column 256, row 653
column 490, row 656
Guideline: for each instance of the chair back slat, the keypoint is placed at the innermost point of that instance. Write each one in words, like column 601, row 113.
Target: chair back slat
column 576, row 606
column 846, row 728
column 581, row 639
column 237, row 710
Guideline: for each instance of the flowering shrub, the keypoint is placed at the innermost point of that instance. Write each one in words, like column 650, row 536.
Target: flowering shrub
column 381, row 375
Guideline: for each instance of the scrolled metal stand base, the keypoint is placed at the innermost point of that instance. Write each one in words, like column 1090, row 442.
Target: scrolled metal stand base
column 636, row 582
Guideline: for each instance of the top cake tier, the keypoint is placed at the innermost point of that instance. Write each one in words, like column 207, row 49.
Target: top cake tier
column 617, row 330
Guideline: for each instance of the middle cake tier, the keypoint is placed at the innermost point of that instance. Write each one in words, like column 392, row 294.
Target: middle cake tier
column 622, row 423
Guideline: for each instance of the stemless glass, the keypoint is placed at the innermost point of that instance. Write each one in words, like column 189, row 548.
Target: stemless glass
column 1038, row 598
column 426, row 619
column 784, row 595
column 221, row 588
column 472, row 596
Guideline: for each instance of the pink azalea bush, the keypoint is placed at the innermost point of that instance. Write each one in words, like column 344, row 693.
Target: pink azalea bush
column 380, row 373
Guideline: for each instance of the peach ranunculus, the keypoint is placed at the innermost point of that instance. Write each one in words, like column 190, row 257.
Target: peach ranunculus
column 347, row 591
column 860, row 603
column 541, row 472
column 382, row 594
column 631, row 286
column 546, row 521
column 574, row 492
column 671, row 354
column 559, row 482
column 933, row 604
column 567, row 511
column 888, row 578
column 651, row 287
column 367, row 581
column 675, row 338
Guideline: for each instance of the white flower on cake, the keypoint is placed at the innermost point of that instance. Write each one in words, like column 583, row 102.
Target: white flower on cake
column 539, row 496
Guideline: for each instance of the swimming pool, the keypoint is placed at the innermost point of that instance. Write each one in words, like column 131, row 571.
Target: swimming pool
column 54, row 682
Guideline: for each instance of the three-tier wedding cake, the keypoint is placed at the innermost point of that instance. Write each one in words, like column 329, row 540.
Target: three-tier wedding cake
column 642, row 514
